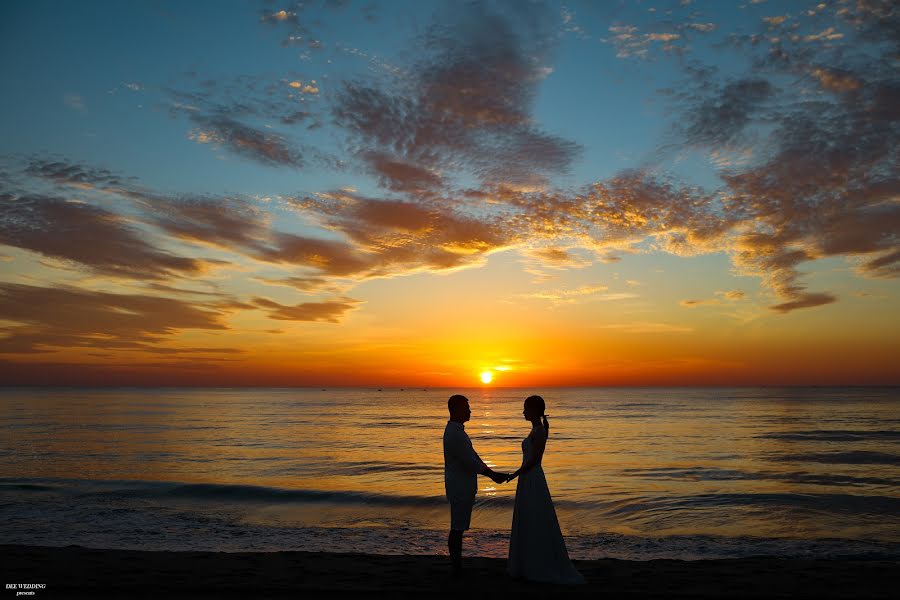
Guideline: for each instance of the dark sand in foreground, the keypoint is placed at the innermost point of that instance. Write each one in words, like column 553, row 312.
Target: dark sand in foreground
column 74, row 572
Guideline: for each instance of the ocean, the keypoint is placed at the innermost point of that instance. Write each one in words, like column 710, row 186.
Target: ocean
column 686, row 473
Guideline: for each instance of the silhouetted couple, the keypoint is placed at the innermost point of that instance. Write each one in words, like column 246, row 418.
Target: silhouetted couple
column 537, row 550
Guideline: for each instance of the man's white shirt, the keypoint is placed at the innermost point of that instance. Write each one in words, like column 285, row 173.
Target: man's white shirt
column 461, row 463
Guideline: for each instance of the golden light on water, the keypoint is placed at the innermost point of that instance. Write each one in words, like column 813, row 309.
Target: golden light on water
column 486, row 377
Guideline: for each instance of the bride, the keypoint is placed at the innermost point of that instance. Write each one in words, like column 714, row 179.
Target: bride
column 537, row 550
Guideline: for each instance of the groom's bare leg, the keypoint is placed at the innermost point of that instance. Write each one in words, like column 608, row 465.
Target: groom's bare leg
column 454, row 544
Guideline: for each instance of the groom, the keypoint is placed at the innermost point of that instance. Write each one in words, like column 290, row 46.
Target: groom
column 461, row 468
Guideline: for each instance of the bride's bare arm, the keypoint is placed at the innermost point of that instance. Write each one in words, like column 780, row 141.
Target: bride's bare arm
column 540, row 442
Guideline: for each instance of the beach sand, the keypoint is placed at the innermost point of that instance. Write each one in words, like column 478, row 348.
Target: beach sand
column 78, row 572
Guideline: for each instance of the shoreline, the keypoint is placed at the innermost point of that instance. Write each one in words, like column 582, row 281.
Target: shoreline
column 76, row 572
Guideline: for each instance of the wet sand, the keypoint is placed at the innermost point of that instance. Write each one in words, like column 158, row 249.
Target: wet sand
column 78, row 572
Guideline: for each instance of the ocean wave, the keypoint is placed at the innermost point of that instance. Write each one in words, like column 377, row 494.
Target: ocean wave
column 217, row 491
column 638, row 416
column 34, row 487
column 638, row 504
column 886, row 506
column 713, row 474
column 833, row 435
column 855, row 457
column 364, row 468
column 231, row 492
column 177, row 531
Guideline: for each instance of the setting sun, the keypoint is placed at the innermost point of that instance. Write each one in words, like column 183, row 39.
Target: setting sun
column 486, row 376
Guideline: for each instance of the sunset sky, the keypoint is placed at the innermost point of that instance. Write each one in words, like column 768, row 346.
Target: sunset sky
column 414, row 193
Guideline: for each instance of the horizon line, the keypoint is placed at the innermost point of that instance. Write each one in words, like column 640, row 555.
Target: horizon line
column 433, row 388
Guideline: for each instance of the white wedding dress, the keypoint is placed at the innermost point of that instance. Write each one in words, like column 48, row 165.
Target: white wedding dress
column 537, row 550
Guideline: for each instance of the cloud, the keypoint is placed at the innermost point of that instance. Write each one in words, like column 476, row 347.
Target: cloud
column 227, row 223
column 673, row 37
column 662, row 37
column 386, row 237
column 63, row 172
column 555, row 257
column 823, row 182
column 825, row 35
column 647, row 327
column 238, row 114
column 368, row 237
column 613, row 216
column 733, row 295
column 467, row 103
column 295, row 117
column 836, row 80
column 569, row 296
column 280, row 16
column 569, row 25
column 161, row 287
column 329, row 257
column 330, row 311
column 303, row 284
column 826, row 191
column 629, row 42
column 401, row 176
column 304, row 23
column 884, row 266
column 51, row 318
column 823, row 192
column 264, row 147
column 694, row 303
column 617, row 296
column 552, row 255
column 88, row 235
column 775, row 21
column 812, row 129
column 727, row 157
column 74, row 101
column 723, row 115
column 308, row 88
column 804, row 300
column 730, row 295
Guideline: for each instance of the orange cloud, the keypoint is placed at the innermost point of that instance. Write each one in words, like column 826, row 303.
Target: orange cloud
column 693, row 303
column 835, row 80
column 53, row 318
column 330, row 311
column 91, row 236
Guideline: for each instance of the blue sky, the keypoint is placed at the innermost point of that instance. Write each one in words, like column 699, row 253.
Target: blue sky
column 113, row 63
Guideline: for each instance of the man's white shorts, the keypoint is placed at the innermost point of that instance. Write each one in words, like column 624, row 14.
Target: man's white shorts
column 461, row 514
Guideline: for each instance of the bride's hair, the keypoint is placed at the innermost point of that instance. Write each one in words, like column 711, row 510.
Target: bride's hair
column 538, row 403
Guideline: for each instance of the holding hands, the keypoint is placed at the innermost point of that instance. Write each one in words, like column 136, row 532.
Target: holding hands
column 499, row 477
